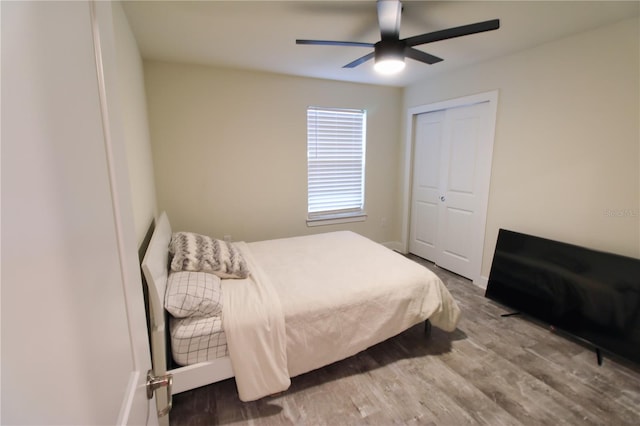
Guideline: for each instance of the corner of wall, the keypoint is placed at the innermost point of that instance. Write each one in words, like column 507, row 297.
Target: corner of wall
column 395, row 246
column 481, row 282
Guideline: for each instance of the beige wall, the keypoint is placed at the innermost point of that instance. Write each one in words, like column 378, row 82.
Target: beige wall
column 135, row 124
column 566, row 154
column 229, row 149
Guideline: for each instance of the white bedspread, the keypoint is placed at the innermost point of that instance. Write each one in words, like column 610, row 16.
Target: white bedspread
column 339, row 292
column 254, row 324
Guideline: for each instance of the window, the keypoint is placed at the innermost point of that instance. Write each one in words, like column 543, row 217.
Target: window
column 335, row 165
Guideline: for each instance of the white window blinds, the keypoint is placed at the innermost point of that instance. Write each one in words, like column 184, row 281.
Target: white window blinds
column 335, row 162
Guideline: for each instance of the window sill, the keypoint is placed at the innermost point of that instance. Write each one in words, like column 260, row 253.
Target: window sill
column 336, row 219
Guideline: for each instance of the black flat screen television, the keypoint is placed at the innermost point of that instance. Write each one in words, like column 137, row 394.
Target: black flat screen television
column 591, row 295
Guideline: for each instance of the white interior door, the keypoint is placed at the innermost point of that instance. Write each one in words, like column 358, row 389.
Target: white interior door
column 136, row 408
column 74, row 341
column 451, row 169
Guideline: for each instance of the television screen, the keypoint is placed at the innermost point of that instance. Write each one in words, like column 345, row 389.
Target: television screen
column 592, row 295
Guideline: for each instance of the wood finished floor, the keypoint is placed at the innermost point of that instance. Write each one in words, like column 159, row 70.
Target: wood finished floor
column 490, row 371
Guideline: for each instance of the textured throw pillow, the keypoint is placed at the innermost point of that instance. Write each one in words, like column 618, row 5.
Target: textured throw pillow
column 193, row 294
column 195, row 252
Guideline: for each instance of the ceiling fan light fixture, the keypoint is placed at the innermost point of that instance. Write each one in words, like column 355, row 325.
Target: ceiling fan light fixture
column 389, row 57
column 389, row 65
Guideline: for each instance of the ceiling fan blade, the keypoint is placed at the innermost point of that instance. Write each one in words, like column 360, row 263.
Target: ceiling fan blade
column 389, row 12
column 421, row 56
column 334, row 43
column 360, row 60
column 463, row 30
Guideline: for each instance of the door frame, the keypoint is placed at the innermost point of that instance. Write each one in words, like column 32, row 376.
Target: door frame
column 492, row 98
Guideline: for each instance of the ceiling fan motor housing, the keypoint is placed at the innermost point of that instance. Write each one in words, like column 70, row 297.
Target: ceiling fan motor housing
column 389, row 49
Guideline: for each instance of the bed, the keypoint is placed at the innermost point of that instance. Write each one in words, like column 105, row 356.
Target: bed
column 303, row 303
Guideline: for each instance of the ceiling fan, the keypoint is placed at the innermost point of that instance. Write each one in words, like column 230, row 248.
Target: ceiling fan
column 391, row 50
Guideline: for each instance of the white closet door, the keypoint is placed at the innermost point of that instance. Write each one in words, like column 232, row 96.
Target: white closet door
column 425, row 205
column 451, row 169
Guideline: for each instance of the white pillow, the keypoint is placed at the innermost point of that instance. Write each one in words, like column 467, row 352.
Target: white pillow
column 193, row 294
column 195, row 252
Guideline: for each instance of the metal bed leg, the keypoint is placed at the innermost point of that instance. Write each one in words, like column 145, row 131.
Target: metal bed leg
column 427, row 328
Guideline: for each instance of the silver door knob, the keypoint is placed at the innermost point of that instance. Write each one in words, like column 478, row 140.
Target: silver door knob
column 442, row 198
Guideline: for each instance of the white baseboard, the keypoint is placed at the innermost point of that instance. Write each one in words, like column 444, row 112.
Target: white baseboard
column 397, row 246
column 482, row 282
column 394, row 245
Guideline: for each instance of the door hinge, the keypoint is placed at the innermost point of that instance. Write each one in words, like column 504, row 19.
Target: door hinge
column 156, row 382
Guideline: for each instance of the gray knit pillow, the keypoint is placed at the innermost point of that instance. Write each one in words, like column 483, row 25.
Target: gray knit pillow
column 199, row 253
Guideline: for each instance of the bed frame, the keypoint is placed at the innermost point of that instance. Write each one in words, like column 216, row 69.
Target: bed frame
column 155, row 267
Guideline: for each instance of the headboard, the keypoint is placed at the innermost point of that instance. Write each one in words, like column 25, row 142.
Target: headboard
column 155, row 267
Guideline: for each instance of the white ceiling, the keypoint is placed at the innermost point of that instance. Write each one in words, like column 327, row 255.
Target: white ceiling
column 260, row 35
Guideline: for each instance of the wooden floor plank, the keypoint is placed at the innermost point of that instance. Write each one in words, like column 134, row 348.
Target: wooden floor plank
column 490, row 371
